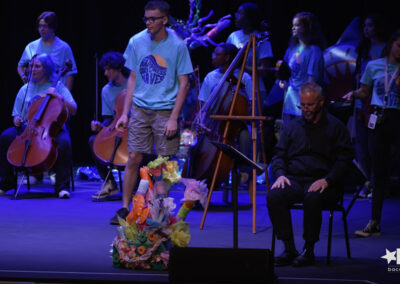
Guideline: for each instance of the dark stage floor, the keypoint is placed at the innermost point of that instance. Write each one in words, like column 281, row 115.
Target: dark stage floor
column 45, row 239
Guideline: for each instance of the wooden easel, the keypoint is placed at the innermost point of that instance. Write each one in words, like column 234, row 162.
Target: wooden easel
column 253, row 118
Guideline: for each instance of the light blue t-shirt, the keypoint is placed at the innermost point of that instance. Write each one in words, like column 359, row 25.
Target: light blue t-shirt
column 304, row 61
column 157, row 66
column 374, row 76
column 109, row 94
column 263, row 50
column 34, row 90
column 213, row 78
column 59, row 51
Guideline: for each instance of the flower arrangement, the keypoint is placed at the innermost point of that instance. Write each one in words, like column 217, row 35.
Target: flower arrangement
column 150, row 230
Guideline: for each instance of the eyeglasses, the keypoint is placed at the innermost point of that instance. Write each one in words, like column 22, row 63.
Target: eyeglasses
column 151, row 19
column 307, row 106
column 45, row 26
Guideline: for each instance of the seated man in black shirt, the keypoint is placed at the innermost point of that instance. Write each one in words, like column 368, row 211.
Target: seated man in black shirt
column 311, row 157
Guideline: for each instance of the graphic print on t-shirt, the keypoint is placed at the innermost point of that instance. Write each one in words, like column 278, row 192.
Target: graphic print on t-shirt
column 153, row 69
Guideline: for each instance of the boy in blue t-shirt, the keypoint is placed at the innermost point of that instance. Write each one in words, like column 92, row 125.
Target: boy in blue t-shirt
column 157, row 86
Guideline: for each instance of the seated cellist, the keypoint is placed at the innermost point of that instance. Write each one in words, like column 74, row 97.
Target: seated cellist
column 42, row 77
column 222, row 57
column 113, row 64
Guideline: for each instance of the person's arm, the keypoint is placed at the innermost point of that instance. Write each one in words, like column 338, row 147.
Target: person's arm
column 130, row 88
column 172, row 124
column 361, row 93
column 21, row 73
column 69, row 81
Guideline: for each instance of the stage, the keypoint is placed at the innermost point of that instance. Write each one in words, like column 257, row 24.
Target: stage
column 46, row 239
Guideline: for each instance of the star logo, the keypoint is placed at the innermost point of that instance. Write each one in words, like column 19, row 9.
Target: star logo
column 389, row 256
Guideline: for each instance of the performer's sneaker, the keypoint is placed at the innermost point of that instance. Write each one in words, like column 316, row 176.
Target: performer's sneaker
column 373, row 229
column 123, row 212
column 32, row 180
column 2, row 192
column 108, row 188
column 63, row 194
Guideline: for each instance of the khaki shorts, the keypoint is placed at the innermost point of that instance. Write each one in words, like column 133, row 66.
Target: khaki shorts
column 146, row 127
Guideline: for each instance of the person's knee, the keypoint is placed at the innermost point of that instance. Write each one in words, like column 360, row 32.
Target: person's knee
column 312, row 198
column 134, row 160
column 274, row 197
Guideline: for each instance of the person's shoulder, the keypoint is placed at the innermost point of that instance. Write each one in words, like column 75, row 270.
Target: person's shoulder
column 59, row 41
column 334, row 121
column 315, row 49
column 174, row 38
column 138, row 36
column 377, row 62
column 33, row 43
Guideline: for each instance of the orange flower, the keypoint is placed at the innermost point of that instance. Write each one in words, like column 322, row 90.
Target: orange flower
column 141, row 250
column 152, row 237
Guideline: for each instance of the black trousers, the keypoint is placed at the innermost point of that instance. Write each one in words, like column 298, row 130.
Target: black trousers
column 382, row 141
column 280, row 200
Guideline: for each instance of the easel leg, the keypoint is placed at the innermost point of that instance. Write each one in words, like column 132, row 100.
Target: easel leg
column 211, row 189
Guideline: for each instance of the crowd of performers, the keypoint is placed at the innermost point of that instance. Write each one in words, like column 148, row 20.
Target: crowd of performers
column 308, row 157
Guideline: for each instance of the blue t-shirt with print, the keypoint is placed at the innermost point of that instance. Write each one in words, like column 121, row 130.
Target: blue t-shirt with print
column 157, row 66
column 304, row 61
column 374, row 76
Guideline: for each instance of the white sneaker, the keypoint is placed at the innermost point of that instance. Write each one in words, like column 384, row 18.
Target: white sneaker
column 32, row 180
column 63, row 194
column 52, row 178
column 108, row 188
column 2, row 192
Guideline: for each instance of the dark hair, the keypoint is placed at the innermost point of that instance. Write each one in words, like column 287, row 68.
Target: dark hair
column 48, row 65
column 312, row 30
column 158, row 4
column 395, row 36
column 253, row 16
column 364, row 45
column 229, row 49
column 114, row 60
column 50, row 18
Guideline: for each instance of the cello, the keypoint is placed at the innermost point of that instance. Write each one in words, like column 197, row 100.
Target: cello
column 36, row 149
column 202, row 160
column 110, row 144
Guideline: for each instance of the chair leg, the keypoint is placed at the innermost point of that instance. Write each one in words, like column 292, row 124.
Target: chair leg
column 72, row 179
column 328, row 257
column 346, row 233
column 273, row 243
column 120, row 180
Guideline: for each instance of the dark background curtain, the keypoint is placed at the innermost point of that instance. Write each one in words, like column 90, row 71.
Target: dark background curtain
column 94, row 27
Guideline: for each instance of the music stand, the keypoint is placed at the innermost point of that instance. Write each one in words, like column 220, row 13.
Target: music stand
column 238, row 159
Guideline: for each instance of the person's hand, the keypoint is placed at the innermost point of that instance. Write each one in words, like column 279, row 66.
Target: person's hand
column 95, row 126
column 283, row 84
column 171, row 127
column 348, row 96
column 18, row 121
column 122, row 123
column 281, row 182
column 24, row 78
column 318, row 185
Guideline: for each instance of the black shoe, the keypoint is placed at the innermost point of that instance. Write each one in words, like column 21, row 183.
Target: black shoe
column 123, row 212
column 305, row 259
column 286, row 258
